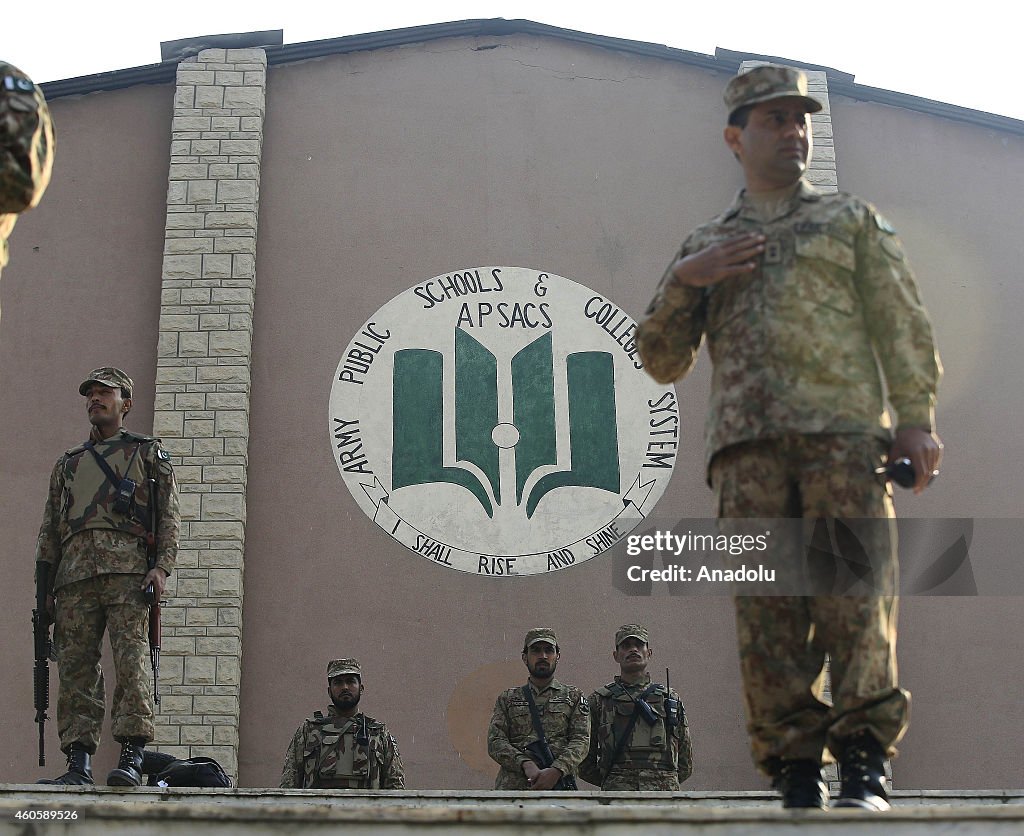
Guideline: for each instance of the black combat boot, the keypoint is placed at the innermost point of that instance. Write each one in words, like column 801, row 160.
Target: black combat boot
column 128, row 772
column 862, row 772
column 79, row 768
column 800, row 784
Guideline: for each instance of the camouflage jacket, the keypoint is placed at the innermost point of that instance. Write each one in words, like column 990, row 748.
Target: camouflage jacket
column 83, row 536
column 26, row 148
column 659, row 747
column 793, row 344
column 565, row 718
column 326, row 753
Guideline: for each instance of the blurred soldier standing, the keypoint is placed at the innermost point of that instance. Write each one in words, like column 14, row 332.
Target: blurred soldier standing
column 344, row 749
column 93, row 541
column 564, row 715
column 797, row 293
column 639, row 739
column 26, row 149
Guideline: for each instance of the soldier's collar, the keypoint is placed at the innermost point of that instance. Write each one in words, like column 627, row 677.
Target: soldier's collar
column 552, row 683
column 646, row 680
column 96, row 438
column 804, row 192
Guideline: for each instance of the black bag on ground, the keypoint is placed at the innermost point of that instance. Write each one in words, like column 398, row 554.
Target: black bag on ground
column 168, row 771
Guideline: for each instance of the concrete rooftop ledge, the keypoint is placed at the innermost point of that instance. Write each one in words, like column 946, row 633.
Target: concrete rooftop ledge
column 109, row 811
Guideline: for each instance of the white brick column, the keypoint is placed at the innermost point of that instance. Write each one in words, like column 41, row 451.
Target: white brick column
column 202, row 389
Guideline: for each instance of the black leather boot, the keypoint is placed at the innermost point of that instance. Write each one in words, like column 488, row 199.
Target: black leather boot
column 128, row 772
column 79, row 768
column 862, row 773
column 800, row 784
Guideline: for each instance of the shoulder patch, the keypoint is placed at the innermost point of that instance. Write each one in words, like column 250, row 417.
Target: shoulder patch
column 584, row 706
column 891, row 248
column 130, row 436
column 163, row 455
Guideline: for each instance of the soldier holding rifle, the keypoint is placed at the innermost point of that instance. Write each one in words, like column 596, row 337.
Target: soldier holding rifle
column 639, row 739
column 92, row 564
column 539, row 732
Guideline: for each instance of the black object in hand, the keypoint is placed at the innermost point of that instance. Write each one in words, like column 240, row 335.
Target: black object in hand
column 901, row 472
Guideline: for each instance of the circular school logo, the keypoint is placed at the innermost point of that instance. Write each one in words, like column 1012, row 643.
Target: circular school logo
column 498, row 420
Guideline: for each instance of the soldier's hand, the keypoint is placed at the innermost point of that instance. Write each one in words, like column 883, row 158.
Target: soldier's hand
column 51, row 607
column 923, row 448
column 531, row 771
column 158, row 578
column 724, row 260
column 546, row 779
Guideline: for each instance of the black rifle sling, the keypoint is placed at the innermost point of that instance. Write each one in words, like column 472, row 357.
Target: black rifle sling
column 624, row 740
column 534, row 713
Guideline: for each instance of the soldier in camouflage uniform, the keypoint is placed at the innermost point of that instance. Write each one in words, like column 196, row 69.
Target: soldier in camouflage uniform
column 655, row 756
column 97, row 571
column 344, row 749
column 565, row 718
column 26, row 149
column 797, row 293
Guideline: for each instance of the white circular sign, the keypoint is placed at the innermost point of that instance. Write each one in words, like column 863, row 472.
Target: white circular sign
column 497, row 420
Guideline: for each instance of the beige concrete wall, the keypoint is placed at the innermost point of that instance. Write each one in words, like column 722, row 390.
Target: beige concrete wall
column 422, row 160
column 956, row 194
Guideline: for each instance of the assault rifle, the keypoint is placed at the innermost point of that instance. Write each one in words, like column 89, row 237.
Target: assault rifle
column 671, row 705
column 539, row 750
column 43, row 653
column 540, row 753
column 154, row 604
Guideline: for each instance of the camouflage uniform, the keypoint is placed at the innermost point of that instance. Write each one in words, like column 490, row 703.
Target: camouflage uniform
column 565, row 718
column 26, row 149
column 325, row 754
column 656, row 758
column 796, row 425
column 339, row 752
column 98, row 560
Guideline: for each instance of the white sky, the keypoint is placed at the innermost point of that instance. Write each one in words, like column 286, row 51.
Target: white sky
column 965, row 55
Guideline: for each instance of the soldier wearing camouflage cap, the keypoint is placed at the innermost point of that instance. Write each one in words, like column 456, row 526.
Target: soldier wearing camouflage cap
column 639, row 737
column 797, row 292
column 26, row 149
column 344, row 749
column 564, row 718
column 91, row 557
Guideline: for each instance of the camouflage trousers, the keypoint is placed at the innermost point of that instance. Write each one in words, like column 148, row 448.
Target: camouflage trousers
column 84, row 610
column 783, row 640
column 632, row 780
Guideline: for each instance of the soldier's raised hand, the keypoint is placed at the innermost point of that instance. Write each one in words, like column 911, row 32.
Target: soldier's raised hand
column 728, row 258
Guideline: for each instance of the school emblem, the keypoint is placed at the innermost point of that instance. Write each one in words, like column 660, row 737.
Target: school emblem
column 498, row 420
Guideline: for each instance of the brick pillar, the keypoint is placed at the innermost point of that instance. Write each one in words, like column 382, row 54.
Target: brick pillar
column 202, row 389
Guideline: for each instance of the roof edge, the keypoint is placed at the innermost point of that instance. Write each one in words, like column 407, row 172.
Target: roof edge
column 724, row 61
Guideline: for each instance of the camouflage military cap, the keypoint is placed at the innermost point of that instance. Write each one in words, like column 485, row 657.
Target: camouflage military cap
column 540, row 634
column 634, row 631
column 762, row 84
column 340, row 667
column 108, row 376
